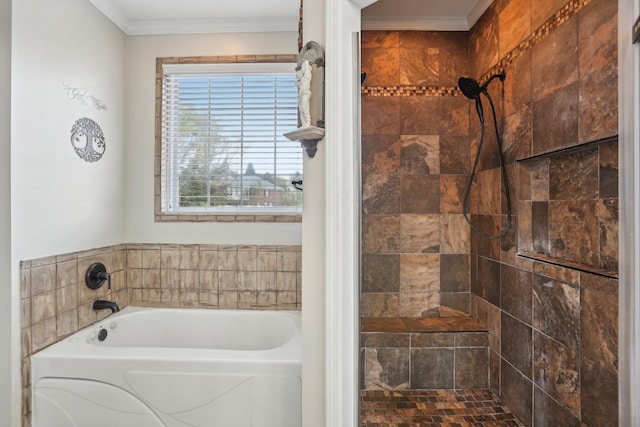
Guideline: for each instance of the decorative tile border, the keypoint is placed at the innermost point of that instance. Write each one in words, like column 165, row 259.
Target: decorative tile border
column 561, row 16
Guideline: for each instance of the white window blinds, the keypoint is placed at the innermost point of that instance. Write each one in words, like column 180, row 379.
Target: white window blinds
column 223, row 149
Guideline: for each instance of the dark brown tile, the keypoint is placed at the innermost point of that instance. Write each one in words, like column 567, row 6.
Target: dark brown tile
column 555, row 120
column 599, row 103
column 380, row 154
column 385, row 340
column 516, row 292
column 380, row 273
column 514, row 21
column 432, row 368
column 556, row 310
column 454, row 154
column 380, row 233
column 419, row 115
column 597, row 26
column 488, row 281
column 540, row 227
column 517, row 85
column 556, row 371
column 454, row 273
column 554, row 60
column 381, row 65
column 420, row 194
column 380, row 115
column 494, row 371
column 420, row 233
column 419, row 67
column 454, row 304
column 385, row 305
column 599, row 391
column 517, row 135
column 433, row 340
column 472, row 339
column 516, row 343
column 483, row 43
column 454, row 57
column 489, row 225
column 472, row 367
column 420, row 155
column 574, row 176
column 381, row 194
column 386, row 368
column 442, row 324
column 573, row 231
column 382, row 324
column 608, row 185
column 548, row 412
column 608, row 230
column 454, row 116
column 599, row 328
column 517, row 393
column 544, row 10
column 601, row 284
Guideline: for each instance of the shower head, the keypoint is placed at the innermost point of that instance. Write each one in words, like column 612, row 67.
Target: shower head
column 472, row 89
column 469, row 87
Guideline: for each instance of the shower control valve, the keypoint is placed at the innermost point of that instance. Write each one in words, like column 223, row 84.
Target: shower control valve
column 96, row 275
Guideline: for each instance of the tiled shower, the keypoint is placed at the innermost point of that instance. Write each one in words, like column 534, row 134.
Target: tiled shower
column 546, row 292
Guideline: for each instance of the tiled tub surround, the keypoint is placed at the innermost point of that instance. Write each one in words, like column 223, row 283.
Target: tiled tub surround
column 424, row 353
column 552, row 329
column 55, row 301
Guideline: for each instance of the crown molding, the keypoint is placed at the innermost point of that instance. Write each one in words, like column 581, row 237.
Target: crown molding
column 475, row 14
column 363, row 3
column 113, row 13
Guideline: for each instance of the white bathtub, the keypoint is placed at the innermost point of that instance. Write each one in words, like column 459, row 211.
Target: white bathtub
column 173, row 368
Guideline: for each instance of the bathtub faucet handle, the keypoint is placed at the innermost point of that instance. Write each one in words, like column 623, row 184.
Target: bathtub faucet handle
column 96, row 275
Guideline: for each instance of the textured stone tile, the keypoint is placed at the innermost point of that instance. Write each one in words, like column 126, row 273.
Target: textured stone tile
column 67, row 323
column 540, row 227
column 601, row 284
column 381, row 194
column 489, row 191
column 432, row 368
column 454, row 304
column 517, row 86
column 386, row 340
column 516, row 292
column 489, row 316
column 483, row 43
column 43, row 279
column 386, row 368
column 454, row 56
column 599, row 391
column 418, row 234
column 556, row 371
column 376, row 39
column 494, row 371
column 554, row 60
column 548, row 412
column 419, row 67
column 599, row 103
column 516, row 343
column 380, row 273
column 472, row 367
column 514, row 22
column 433, row 340
column 491, row 226
column 381, row 65
column 517, row 392
column 43, row 334
column 599, row 328
column 573, row 231
column 420, row 304
column 488, row 286
column 608, row 173
column 455, row 270
column 43, row 307
column 379, row 305
column 525, row 227
column 574, row 176
column 608, row 231
column 555, row 120
column 455, row 234
column 380, row 154
column 66, row 299
column 67, row 273
column 597, row 35
column 420, row 194
column 420, row 155
column 380, row 115
column 419, row 115
column 419, row 273
column 452, row 190
column 517, row 135
column 472, row 339
column 544, row 10
column 380, row 233
column 562, row 274
column 454, row 154
column 454, row 116
column 556, row 310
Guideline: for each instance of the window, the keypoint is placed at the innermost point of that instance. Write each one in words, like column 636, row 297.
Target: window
column 221, row 145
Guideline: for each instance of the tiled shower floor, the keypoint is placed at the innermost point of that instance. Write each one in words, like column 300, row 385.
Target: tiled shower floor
column 433, row 408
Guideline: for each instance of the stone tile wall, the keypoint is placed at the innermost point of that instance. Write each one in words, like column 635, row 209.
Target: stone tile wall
column 553, row 329
column 55, row 301
column 415, row 164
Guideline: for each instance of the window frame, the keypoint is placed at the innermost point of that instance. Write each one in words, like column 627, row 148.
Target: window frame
column 201, row 216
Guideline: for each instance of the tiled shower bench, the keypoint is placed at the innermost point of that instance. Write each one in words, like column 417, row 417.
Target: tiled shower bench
column 423, row 353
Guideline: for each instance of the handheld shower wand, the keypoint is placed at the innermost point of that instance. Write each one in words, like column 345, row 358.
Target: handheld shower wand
column 472, row 90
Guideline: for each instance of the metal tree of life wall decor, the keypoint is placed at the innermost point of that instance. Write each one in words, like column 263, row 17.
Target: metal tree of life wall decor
column 88, row 140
